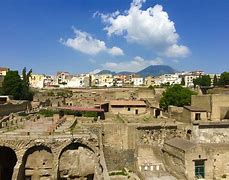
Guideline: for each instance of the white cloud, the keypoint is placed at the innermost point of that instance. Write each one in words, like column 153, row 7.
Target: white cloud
column 151, row 27
column 87, row 44
column 137, row 64
column 177, row 51
column 95, row 71
column 115, row 51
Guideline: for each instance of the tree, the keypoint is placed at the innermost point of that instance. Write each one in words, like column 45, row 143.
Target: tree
column 215, row 80
column 203, row 80
column 15, row 86
column 26, row 76
column 182, row 81
column 27, row 93
column 224, row 79
column 176, row 95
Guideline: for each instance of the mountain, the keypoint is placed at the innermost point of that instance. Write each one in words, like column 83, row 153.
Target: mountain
column 126, row 73
column 156, row 70
column 107, row 72
column 152, row 70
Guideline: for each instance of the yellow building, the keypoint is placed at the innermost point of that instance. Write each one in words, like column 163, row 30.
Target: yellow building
column 149, row 81
column 37, row 80
column 128, row 107
column 3, row 71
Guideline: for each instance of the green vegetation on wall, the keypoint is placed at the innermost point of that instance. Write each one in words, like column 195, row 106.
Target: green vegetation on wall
column 50, row 112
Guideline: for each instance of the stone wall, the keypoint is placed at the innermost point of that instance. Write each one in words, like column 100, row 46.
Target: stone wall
column 175, row 112
column 115, row 135
column 174, row 160
column 202, row 101
column 220, row 106
column 128, row 110
column 117, row 159
column 47, row 158
column 181, row 163
column 6, row 109
column 217, row 104
column 145, row 93
column 211, row 135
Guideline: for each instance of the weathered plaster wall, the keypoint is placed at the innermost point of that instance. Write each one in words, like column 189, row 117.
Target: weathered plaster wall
column 220, row 105
column 124, row 110
column 202, row 101
column 211, row 135
column 6, row 109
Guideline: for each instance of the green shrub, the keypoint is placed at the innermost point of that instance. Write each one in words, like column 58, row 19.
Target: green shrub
column 47, row 112
column 224, row 176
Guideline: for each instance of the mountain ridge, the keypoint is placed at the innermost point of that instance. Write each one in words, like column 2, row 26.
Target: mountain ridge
column 152, row 70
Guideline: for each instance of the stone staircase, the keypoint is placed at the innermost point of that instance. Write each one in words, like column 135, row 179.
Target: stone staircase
column 65, row 127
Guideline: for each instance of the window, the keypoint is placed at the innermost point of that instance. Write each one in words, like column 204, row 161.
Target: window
column 199, row 168
column 136, row 111
column 197, row 116
column 128, row 109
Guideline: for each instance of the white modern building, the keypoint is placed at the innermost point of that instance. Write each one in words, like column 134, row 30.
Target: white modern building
column 137, row 81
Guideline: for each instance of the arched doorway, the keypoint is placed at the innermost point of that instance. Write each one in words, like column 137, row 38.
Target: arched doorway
column 76, row 161
column 8, row 160
column 37, row 163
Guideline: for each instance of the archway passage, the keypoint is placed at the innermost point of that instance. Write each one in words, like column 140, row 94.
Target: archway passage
column 37, row 164
column 76, row 162
column 8, row 160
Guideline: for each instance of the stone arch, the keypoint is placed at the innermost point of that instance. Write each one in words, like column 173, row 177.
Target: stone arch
column 37, row 163
column 76, row 161
column 8, row 160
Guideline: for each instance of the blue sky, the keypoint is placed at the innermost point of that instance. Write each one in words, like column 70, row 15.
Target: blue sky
column 84, row 35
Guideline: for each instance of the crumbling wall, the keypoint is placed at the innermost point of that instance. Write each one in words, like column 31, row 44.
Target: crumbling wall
column 145, row 93
column 117, row 159
column 115, row 135
column 201, row 101
column 175, row 112
column 77, row 162
column 6, row 109
column 211, row 135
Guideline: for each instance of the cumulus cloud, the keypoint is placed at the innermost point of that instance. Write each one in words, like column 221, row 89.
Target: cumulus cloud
column 137, row 64
column 95, row 71
column 116, row 51
column 177, row 51
column 150, row 27
column 87, row 44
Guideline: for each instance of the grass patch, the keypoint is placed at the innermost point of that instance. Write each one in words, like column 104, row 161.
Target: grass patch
column 47, row 112
column 72, row 127
column 118, row 173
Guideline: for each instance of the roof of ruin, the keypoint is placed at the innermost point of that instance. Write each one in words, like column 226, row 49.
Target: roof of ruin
column 195, row 109
column 4, row 69
column 179, row 143
column 127, row 103
column 81, row 109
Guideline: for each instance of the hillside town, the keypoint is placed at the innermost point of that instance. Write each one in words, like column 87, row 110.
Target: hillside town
column 67, row 80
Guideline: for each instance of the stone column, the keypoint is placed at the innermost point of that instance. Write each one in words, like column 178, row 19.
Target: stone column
column 3, row 124
column 17, row 167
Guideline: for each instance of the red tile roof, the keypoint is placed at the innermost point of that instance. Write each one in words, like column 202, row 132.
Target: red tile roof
column 4, row 69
